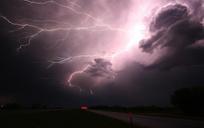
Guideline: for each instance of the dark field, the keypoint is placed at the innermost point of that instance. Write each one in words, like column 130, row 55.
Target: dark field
column 57, row 119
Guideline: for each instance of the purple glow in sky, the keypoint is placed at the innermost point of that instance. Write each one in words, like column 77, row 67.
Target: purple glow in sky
column 99, row 38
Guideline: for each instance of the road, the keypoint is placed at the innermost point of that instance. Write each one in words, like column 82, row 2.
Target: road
column 152, row 121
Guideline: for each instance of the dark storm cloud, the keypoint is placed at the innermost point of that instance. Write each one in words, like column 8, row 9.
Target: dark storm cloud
column 181, row 34
column 148, row 45
column 96, row 73
column 26, row 79
column 24, row 74
column 168, row 16
column 176, row 30
column 100, row 68
column 144, row 86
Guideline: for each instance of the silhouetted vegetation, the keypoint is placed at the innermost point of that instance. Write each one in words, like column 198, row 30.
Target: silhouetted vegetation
column 136, row 109
column 189, row 100
column 17, row 106
column 11, row 106
column 39, row 106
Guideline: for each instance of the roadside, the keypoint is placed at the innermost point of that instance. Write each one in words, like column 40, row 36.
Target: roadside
column 153, row 121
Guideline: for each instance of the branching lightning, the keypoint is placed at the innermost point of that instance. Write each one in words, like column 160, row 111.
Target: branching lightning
column 98, row 25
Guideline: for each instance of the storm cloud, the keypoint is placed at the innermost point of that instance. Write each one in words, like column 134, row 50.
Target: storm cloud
column 94, row 75
column 100, row 68
column 176, row 30
column 101, row 52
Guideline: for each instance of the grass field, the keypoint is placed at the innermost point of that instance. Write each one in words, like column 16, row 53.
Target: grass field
column 57, row 119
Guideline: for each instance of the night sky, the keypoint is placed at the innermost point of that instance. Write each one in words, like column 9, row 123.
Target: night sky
column 99, row 52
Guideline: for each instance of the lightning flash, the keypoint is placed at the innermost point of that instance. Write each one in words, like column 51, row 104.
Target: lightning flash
column 132, row 31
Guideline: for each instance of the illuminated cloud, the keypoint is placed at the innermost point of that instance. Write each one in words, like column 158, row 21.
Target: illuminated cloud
column 93, row 75
column 95, row 40
column 174, row 29
column 169, row 15
column 100, row 68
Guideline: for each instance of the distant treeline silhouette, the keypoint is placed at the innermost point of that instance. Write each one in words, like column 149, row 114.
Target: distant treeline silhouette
column 139, row 109
column 185, row 101
column 189, row 100
column 16, row 106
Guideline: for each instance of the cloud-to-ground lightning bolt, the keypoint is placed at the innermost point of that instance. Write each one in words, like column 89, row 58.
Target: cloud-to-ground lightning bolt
column 97, row 26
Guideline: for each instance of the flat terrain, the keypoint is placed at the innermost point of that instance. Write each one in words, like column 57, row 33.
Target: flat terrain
column 57, row 119
column 153, row 121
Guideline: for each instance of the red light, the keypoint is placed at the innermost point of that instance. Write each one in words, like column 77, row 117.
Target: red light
column 84, row 107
